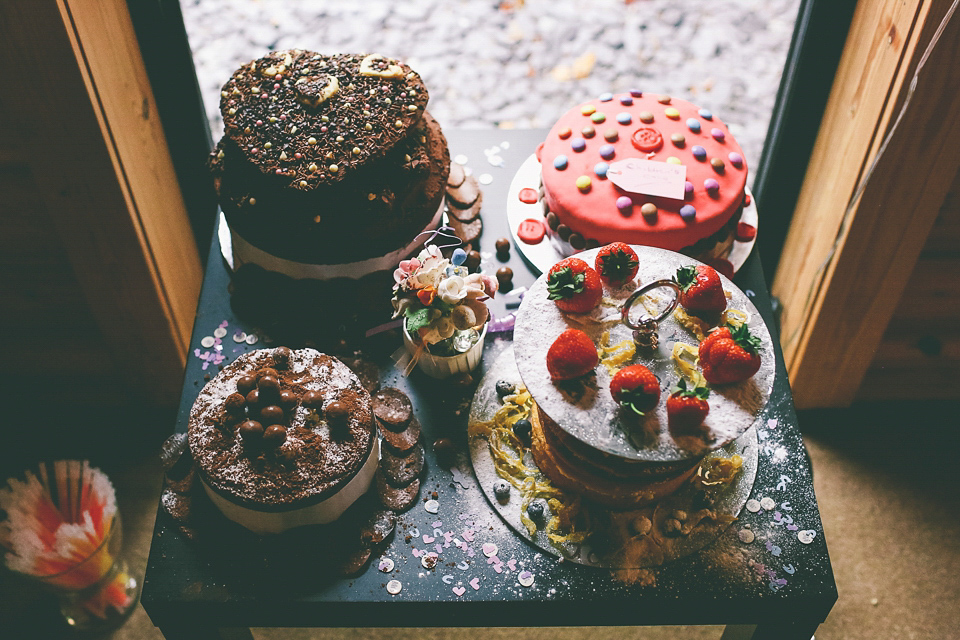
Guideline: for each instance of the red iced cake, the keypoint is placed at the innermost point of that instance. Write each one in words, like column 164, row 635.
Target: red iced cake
column 604, row 177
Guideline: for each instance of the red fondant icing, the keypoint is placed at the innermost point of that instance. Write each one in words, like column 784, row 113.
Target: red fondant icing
column 594, row 214
column 746, row 232
column 528, row 196
column 531, row 231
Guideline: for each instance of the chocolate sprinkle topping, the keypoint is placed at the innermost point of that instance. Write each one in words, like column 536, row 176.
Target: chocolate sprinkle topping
column 292, row 110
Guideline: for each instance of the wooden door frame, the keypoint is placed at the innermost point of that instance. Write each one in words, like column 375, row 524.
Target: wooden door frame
column 847, row 258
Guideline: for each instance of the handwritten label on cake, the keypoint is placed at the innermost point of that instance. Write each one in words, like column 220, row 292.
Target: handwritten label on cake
column 648, row 177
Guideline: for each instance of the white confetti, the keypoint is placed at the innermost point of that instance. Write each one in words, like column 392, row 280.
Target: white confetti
column 431, row 506
column 394, row 587
column 768, row 504
column 429, row 560
column 505, row 145
column 460, row 159
column 753, row 505
column 525, row 579
column 239, row 336
column 208, row 342
column 386, row 565
column 219, row 332
column 485, row 178
column 489, row 549
column 251, row 339
column 806, row 536
column 746, row 536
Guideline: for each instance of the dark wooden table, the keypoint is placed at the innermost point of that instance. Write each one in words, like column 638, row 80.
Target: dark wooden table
column 773, row 587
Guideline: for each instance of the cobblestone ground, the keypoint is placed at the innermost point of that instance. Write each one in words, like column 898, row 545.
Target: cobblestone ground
column 520, row 64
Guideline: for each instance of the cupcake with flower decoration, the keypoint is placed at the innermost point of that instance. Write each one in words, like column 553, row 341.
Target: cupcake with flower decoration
column 444, row 311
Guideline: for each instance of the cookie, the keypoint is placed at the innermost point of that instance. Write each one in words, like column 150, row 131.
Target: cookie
column 377, row 528
column 467, row 232
column 467, row 214
column 312, row 119
column 402, row 441
column 392, row 408
column 466, row 194
column 402, row 470
column 457, row 175
column 395, row 499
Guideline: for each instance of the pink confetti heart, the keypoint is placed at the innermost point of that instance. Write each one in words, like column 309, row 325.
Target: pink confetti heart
column 439, row 549
column 475, row 583
column 437, row 524
column 459, row 590
column 417, row 553
column 494, row 560
column 428, row 539
column 224, row 324
column 470, row 552
column 498, row 568
column 448, row 536
column 468, row 535
column 512, row 565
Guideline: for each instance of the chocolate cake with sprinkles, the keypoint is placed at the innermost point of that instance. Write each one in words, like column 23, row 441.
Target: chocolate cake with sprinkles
column 329, row 166
column 645, row 169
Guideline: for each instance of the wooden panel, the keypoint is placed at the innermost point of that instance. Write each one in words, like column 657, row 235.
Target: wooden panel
column 840, row 277
column 94, row 145
column 914, row 365
column 945, row 235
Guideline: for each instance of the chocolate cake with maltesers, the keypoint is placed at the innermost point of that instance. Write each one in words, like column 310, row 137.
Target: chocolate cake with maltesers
column 284, row 438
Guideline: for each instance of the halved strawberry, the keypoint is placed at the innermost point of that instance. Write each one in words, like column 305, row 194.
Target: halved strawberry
column 700, row 289
column 617, row 263
column 571, row 355
column 574, row 286
column 635, row 388
column 687, row 408
column 729, row 354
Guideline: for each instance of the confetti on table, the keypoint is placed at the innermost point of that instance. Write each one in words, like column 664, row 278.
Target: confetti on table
column 806, row 536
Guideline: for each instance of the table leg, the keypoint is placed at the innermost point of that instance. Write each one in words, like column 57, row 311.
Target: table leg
column 779, row 631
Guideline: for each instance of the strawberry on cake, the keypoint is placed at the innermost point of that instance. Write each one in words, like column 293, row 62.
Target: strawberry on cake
column 645, row 169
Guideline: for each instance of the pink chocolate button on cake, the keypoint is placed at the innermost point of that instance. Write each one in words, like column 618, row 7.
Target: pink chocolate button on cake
column 643, row 169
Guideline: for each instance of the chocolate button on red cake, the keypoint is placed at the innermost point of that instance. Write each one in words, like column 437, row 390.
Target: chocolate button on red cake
column 284, row 438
